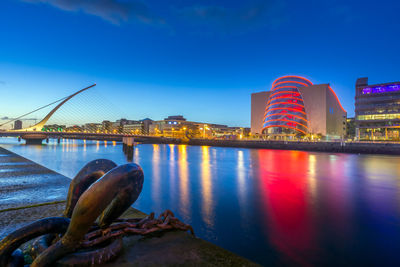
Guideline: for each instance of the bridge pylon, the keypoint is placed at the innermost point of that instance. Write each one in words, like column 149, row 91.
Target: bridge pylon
column 37, row 138
column 39, row 126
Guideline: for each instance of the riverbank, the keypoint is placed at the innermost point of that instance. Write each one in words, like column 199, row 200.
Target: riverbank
column 332, row 147
column 29, row 191
column 320, row 146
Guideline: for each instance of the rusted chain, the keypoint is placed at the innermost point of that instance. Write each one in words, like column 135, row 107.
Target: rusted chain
column 145, row 226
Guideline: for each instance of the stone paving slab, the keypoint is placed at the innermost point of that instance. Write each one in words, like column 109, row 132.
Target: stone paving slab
column 12, row 220
column 23, row 182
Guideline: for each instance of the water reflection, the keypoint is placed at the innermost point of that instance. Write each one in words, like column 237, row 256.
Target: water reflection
column 242, row 188
column 312, row 177
column 184, row 182
column 156, row 178
column 284, row 179
column 206, row 186
column 136, row 155
column 274, row 207
column 172, row 174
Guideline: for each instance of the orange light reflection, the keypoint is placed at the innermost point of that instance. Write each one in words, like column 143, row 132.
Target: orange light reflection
column 206, row 185
column 242, row 189
column 172, row 173
column 184, row 181
column 155, row 183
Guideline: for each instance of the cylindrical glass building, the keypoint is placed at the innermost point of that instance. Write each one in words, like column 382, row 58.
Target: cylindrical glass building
column 285, row 112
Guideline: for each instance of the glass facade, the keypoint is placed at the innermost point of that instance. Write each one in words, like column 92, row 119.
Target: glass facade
column 377, row 110
column 285, row 112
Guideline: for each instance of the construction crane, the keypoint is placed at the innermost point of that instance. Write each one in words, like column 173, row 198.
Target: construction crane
column 14, row 119
column 9, row 120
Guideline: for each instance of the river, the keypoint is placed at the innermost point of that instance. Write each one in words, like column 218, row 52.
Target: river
column 274, row 207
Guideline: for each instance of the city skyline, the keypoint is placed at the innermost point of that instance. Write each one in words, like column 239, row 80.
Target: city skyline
column 199, row 60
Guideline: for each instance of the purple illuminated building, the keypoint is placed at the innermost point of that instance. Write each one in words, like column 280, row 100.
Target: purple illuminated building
column 377, row 110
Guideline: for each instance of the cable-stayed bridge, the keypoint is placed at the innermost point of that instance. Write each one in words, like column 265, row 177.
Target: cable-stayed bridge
column 35, row 134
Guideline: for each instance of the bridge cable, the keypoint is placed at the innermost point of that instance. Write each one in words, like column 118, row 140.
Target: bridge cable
column 33, row 111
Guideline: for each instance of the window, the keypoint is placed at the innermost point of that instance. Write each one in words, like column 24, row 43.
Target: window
column 379, row 117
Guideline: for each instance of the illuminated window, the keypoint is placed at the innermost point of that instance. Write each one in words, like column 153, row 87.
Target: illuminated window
column 379, row 117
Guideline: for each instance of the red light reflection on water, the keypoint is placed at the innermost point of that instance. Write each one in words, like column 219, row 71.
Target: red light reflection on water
column 283, row 181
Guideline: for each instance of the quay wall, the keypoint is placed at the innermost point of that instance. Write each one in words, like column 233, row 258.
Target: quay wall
column 333, row 147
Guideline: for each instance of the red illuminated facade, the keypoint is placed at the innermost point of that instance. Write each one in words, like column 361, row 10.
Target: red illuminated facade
column 285, row 112
column 296, row 107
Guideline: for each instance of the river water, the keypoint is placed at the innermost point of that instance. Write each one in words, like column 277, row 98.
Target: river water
column 271, row 206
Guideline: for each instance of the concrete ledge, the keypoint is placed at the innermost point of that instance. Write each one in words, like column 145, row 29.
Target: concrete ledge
column 23, row 182
column 13, row 219
column 175, row 249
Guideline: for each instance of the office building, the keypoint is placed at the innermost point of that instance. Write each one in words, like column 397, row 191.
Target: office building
column 377, row 110
column 17, row 124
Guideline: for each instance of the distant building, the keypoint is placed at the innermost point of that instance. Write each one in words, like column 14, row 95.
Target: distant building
column 107, row 126
column 134, row 127
column 258, row 104
column 175, row 118
column 350, row 128
column 146, row 125
column 93, row 127
column 116, row 127
column 74, row 129
column 179, row 127
column 17, row 125
column 173, row 126
column 122, row 122
column 296, row 108
column 377, row 110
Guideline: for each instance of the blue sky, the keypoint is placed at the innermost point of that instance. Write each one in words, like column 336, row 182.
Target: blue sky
column 201, row 59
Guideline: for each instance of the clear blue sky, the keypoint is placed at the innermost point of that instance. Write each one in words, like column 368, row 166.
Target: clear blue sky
column 201, row 59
